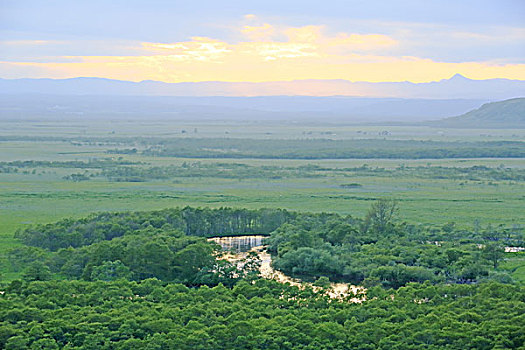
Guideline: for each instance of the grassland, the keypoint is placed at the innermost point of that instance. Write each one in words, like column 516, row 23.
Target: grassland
column 515, row 264
column 43, row 194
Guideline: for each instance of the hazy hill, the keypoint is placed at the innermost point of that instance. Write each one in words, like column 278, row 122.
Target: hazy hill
column 336, row 100
column 457, row 87
column 288, row 108
column 502, row 114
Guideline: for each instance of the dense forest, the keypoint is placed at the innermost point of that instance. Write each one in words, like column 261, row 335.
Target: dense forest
column 203, row 222
column 136, row 280
column 376, row 251
column 260, row 315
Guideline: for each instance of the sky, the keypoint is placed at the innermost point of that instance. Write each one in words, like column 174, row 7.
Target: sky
column 255, row 41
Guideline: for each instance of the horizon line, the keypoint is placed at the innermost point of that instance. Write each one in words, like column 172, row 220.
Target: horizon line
column 456, row 75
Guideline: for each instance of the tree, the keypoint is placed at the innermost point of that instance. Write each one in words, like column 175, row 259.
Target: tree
column 381, row 215
column 494, row 253
column 17, row 342
column 111, row 271
column 37, row 271
column 192, row 258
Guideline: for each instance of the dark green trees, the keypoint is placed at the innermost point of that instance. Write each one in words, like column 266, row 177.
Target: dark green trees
column 111, row 271
column 263, row 314
column 494, row 253
column 37, row 271
column 381, row 215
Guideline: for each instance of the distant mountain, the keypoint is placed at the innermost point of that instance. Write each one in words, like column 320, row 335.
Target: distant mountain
column 502, row 114
column 457, row 87
column 284, row 108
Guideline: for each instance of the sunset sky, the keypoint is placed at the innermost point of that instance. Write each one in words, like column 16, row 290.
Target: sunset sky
column 182, row 41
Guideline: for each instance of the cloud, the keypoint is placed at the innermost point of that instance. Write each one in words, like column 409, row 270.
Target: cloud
column 261, row 45
column 264, row 32
column 306, row 34
column 274, row 50
column 267, row 52
column 198, row 49
column 247, row 67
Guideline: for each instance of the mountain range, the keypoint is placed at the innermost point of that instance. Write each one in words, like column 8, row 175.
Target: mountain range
column 296, row 101
column 457, row 87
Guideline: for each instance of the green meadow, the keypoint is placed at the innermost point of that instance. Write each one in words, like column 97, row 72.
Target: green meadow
column 432, row 192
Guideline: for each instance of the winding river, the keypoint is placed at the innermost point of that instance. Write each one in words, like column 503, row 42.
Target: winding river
column 239, row 246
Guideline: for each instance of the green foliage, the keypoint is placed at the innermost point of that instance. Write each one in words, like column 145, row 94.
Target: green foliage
column 140, row 246
column 263, row 314
column 494, row 253
column 332, row 149
column 381, row 215
column 168, row 245
column 377, row 251
column 441, row 273
column 138, row 257
column 323, row 282
column 37, row 271
column 203, row 222
column 111, row 271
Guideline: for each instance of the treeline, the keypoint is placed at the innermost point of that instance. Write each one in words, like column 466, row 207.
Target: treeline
column 93, row 163
column 260, row 315
column 472, row 173
column 25, row 166
column 376, row 250
column 308, row 148
column 170, row 257
column 215, row 170
column 391, row 260
column 121, row 172
column 332, row 149
column 379, row 251
column 203, row 222
column 245, row 171
column 127, row 171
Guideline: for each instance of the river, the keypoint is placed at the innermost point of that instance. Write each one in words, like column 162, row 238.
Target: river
column 239, row 246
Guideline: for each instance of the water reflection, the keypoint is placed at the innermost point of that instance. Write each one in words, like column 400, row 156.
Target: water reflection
column 238, row 244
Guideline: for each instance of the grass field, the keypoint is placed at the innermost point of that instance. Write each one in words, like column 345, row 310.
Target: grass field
column 42, row 195
column 515, row 264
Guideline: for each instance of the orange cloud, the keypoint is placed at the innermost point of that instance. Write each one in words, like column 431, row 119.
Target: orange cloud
column 264, row 32
column 249, row 67
column 306, row 34
column 269, row 53
column 199, row 49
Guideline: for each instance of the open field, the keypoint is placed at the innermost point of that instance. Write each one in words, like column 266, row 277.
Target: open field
column 249, row 129
column 515, row 264
column 430, row 191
